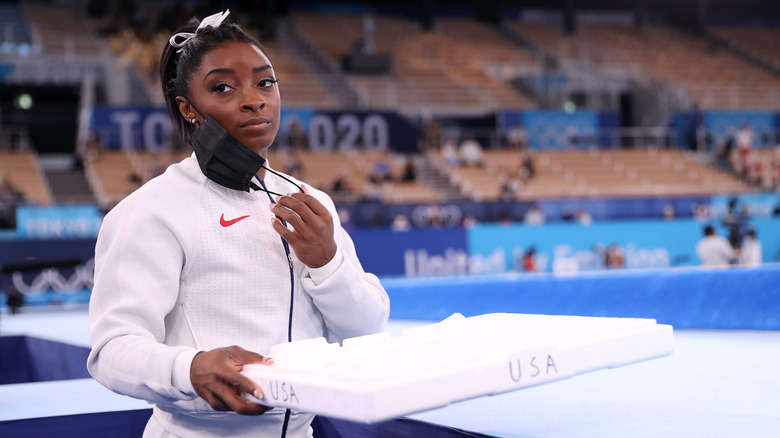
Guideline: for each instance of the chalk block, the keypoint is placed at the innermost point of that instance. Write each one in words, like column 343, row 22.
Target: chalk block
column 379, row 377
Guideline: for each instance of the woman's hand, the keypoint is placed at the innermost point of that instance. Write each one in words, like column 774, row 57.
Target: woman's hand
column 312, row 235
column 216, row 378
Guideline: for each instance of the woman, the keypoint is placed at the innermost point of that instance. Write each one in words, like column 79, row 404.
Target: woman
column 207, row 266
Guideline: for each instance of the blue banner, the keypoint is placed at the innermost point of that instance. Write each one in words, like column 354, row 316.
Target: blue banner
column 572, row 247
column 294, row 127
column 371, row 214
column 559, row 129
column 559, row 247
column 553, row 129
column 342, row 130
column 68, row 221
column 759, row 205
column 62, row 270
column 48, row 271
column 150, row 128
column 641, row 244
column 723, row 125
column 131, row 127
column 415, row 253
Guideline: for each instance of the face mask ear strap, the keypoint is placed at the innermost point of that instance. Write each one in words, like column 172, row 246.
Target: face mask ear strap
column 281, row 176
column 189, row 102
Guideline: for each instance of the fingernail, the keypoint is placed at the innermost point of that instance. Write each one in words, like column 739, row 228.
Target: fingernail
column 267, row 360
column 258, row 395
column 273, row 206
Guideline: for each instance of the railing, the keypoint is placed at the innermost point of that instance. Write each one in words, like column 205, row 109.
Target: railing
column 634, row 137
column 14, row 138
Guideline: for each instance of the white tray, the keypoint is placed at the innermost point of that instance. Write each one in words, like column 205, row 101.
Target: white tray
column 379, row 377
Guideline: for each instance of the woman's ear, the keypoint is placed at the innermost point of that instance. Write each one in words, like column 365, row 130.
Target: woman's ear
column 186, row 109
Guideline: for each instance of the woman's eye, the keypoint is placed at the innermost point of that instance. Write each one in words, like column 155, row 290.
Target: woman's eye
column 267, row 83
column 221, row 88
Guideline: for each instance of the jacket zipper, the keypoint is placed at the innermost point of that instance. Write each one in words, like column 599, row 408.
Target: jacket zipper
column 286, row 246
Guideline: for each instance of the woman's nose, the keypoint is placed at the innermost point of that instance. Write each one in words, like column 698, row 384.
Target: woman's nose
column 252, row 102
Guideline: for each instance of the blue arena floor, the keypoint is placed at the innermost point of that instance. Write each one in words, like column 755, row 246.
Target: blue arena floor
column 717, row 383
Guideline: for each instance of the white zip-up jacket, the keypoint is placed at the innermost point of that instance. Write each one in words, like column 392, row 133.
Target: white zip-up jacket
column 176, row 272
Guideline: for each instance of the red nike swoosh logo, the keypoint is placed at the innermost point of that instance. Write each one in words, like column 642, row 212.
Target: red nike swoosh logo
column 226, row 223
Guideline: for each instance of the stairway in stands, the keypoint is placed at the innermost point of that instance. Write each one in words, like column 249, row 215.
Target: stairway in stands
column 428, row 173
column 66, row 181
column 329, row 74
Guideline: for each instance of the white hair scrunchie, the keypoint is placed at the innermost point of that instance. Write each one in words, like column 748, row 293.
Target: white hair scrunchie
column 212, row 20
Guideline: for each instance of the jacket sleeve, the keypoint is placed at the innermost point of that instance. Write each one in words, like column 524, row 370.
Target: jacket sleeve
column 352, row 301
column 138, row 263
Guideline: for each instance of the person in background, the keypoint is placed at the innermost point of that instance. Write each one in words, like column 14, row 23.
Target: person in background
column 614, row 257
column 400, row 223
column 583, row 217
column 714, row 250
column 341, row 187
column 736, row 222
column 206, row 267
column 381, row 171
column 744, row 140
column 669, row 211
column 88, row 150
column 534, row 216
column 409, row 172
column 296, row 139
column 509, row 187
column 469, row 221
column 701, row 212
column 471, row 152
column 10, row 198
column 14, row 299
column 529, row 260
column 527, row 167
column 449, row 153
column 516, row 137
column 566, row 214
column 750, row 253
column 724, row 156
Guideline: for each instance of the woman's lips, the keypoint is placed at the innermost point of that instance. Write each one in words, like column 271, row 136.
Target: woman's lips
column 259, row 123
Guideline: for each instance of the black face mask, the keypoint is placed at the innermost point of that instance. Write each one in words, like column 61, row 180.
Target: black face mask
column 227, row 161
column 224, row 159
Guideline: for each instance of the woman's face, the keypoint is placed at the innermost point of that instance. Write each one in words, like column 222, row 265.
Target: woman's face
column 235, row 84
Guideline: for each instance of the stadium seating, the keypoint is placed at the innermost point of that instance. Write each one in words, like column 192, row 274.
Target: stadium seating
column 761, row 41
column 461, row 66
column 594, row 173
column 115, row 174
column 714, row 77
column 764, row 168
column 110, row 176
column 21, row 169
column 58, row 30
column 447, row 70
column 299, row 88
column 321, row 169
